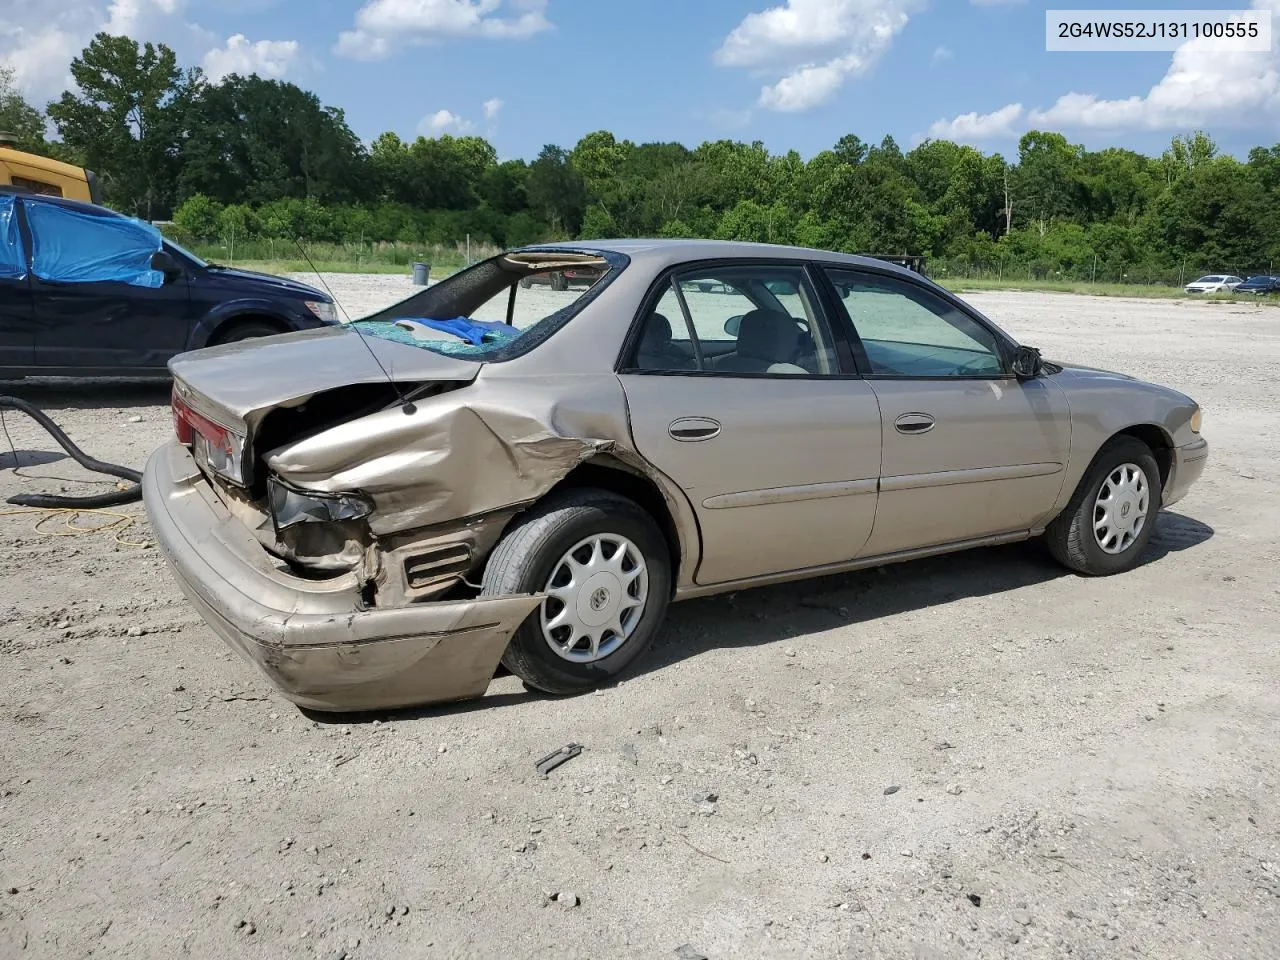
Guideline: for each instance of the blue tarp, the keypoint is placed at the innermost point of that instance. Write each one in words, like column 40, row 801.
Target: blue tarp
column 13, row 259
column 475, row 332
column 69, row 246
column 387, row 330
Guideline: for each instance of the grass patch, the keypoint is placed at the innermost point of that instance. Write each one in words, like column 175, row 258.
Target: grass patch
column 281, row 267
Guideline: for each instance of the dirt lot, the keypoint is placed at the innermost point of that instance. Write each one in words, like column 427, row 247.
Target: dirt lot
column 969, row 757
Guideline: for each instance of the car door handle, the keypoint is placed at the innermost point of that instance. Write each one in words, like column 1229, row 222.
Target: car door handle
column 912, row 423
column 689, row 429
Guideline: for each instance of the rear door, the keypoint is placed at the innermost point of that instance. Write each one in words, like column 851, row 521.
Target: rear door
column 17, row 318
column 737, row 391
column 969, row 450
column 98, row 303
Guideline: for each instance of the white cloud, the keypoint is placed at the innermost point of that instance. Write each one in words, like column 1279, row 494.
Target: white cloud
column 267, row 58
column 383, row 25
column 443, row 121
column 1202, row 87
column 491, row 108
column 38, row 39
column 815, row 44
column 997, row 3
column 978, row 127
column 941, row 54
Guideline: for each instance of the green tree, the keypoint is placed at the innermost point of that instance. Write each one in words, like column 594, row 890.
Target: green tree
column 556, row 191
column 17, row 116
column 198, row 217
column 126, row 119
column 255, row 140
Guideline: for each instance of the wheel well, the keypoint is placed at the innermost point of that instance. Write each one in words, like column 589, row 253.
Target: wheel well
column 1159, row 443
column 242, row 320
column 635, row 487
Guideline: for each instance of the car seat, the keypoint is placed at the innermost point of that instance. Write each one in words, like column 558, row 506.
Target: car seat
column 765, row 338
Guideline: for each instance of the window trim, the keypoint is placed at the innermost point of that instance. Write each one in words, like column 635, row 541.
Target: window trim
column 1005, row 346
column 666, row 280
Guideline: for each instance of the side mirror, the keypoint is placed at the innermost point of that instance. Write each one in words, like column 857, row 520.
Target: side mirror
column 163, row 263
column 1026, row 363
column 732, row 325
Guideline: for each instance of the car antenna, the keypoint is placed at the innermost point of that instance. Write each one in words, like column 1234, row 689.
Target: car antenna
column 406, row 404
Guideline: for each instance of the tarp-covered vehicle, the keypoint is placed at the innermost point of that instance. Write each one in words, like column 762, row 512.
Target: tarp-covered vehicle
column 85, row 291
column 376, row 515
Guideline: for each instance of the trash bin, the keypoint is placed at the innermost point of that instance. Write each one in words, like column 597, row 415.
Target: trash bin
column 421, row 274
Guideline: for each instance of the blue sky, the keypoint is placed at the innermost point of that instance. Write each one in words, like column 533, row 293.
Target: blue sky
column 793, row 73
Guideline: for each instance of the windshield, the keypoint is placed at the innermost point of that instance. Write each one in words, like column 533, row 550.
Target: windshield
column 1210, row 279
column 185, row 252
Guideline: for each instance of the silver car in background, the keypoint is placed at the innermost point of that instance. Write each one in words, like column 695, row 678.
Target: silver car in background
column 493, row 470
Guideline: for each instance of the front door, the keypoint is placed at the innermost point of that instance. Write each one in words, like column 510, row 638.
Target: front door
column 98, row 304
column 17, row 319
column 969, row 450
column 736, row 393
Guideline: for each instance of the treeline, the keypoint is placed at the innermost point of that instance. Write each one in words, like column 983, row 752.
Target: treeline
column 262, row 158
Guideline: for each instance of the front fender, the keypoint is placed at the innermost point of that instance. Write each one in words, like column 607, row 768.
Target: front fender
column 1104, row 404
column 243, row 308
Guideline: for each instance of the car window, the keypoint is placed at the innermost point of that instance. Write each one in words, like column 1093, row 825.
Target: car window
column 13, row 256
column 908, row 331
column 538, row 296
column 71, row 246
column 740, row 320
column 517, row 315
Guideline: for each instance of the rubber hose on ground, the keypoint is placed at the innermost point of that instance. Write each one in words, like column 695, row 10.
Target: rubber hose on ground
column 113, row 499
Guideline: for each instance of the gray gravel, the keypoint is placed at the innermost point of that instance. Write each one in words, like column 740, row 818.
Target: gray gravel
column 1087, row 767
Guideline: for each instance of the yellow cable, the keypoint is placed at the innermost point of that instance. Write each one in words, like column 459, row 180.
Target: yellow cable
column 119, row 524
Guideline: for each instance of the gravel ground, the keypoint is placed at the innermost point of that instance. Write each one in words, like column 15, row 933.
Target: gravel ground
column 975, row 756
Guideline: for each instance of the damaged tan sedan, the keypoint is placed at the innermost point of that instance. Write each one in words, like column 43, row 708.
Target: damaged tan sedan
column 491, row 470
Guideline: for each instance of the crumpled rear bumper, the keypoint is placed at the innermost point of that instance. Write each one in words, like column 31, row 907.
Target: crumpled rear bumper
column 310, row 637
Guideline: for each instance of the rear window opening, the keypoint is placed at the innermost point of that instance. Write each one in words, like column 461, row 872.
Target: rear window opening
column 499, row 308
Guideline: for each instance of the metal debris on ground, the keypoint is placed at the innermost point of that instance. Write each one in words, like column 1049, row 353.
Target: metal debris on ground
column 557, row 757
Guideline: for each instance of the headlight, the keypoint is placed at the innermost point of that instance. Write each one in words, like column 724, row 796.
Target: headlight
column 323, row 310
column 290, row 506
column 1195, row 421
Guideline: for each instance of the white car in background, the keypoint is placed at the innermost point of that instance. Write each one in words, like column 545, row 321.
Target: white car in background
column 1215, row 283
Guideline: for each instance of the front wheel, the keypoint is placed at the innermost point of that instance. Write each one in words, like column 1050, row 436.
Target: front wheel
column 247, row 330
column 1112, row 514
column 606, row 570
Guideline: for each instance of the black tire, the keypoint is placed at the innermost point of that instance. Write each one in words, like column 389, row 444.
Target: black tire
column 245, row 330
column 526, row 283
column 528, row 555
column 1070, row 536
column 559, row 282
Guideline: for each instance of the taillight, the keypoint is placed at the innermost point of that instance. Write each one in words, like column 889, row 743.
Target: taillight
column 181, row 425
column 213, row 444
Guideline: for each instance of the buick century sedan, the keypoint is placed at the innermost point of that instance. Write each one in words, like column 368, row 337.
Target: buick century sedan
column 379, row 514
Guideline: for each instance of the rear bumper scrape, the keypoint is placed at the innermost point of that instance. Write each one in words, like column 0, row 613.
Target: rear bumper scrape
column 310, row 638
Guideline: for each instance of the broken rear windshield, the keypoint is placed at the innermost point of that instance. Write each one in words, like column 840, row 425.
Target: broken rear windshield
column 500, row 308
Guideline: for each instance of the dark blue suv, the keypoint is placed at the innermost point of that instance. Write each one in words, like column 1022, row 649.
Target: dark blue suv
column 85, row 291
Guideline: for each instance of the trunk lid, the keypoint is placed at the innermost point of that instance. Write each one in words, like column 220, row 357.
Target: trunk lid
column 237, row 384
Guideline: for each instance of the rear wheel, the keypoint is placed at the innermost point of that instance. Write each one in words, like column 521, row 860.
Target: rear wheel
column 605, row 567
column 245, row 330
column 559, row 282
column 1112, row 514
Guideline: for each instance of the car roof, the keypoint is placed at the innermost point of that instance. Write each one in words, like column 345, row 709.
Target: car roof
column 659, row 253
column 81, row 205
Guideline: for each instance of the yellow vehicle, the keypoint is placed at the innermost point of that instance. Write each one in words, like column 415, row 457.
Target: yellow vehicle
column 37, row 174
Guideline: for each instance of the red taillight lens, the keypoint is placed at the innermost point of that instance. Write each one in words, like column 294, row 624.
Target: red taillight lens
column 187, row 423
column 181, row 426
